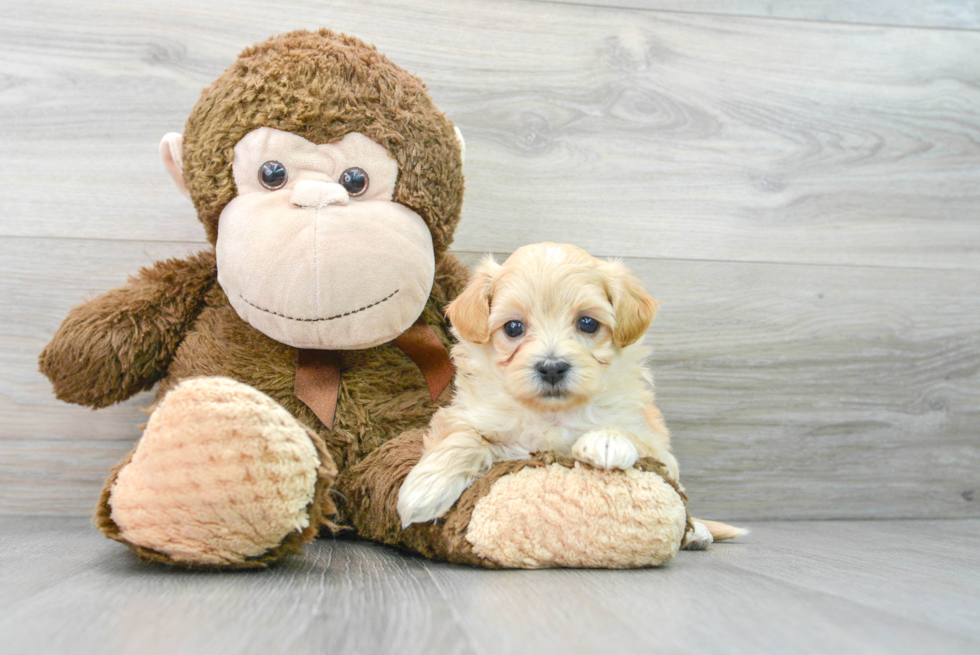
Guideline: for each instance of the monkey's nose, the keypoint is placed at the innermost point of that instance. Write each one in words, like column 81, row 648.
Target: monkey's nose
column 552, row 370
column 310, row 194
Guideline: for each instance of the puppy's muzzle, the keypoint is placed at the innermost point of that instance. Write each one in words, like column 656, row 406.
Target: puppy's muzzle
column 552, row 370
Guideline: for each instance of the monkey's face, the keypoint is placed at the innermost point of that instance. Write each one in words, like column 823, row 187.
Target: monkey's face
column 313, row 252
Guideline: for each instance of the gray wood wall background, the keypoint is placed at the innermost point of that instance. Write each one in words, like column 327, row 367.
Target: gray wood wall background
column 798, row 183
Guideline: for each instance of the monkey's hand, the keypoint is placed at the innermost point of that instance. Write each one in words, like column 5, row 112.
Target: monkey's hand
column 543, row 511
column 122, row 342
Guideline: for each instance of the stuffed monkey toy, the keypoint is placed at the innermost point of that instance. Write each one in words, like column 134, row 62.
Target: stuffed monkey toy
column 299, row 359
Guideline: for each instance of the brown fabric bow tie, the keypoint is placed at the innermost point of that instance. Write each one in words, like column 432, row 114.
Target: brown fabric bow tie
column 317, row 380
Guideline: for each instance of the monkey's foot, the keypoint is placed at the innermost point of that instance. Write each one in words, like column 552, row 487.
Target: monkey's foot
column 547, row 511
column 222, row 477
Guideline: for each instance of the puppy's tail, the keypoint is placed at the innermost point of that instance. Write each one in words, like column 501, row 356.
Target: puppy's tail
column 720, row 531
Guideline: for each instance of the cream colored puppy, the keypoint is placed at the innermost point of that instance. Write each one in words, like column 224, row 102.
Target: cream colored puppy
column 548, row 359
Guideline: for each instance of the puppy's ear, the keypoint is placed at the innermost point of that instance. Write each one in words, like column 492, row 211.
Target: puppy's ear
column 633, row 306
column 470, row 312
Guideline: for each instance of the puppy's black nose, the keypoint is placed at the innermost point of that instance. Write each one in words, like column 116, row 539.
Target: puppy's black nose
column 552, row 370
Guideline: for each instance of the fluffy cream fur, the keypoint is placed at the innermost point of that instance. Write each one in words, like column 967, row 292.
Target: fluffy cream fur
column 600, row 410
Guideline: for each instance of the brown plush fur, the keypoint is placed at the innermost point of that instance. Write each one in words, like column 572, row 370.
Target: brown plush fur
column 173, row 321
column 382, row 393
column 122, row 342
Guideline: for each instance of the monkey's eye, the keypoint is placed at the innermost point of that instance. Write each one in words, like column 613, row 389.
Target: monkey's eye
column 272, row 175
column 355, row 180
column 513, row 329
column 588, row 325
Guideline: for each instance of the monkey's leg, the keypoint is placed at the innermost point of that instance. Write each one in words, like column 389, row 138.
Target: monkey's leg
column 546, row 511
column 222, row 477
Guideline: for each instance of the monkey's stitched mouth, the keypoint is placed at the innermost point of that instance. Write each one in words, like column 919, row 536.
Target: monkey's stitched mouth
column 327, row 318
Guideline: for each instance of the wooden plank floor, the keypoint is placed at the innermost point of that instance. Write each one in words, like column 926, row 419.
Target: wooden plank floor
column 789, row 587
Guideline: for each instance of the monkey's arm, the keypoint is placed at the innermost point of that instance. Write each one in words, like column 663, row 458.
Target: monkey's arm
column 527, row 513
column 122, row 342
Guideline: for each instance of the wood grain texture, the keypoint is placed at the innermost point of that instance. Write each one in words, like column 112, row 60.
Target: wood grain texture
column 705, row 602
column 819, row 587
column 792, row 391
column 352, row 598
column 633, row 133
column 954, row 14
column 802, row 197
column 924, row 571
column 57, row 476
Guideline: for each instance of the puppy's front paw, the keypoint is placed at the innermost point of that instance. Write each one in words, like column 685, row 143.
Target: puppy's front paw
column 606, row 448
column 701, row 538
column 426, row 495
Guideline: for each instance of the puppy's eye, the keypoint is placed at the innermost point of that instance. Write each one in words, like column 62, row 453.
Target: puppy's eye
column 588, row 325
column 513, row 329
column 355, row 180
column 273, row 175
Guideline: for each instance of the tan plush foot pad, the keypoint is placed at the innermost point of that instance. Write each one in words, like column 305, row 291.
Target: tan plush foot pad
column 546, row 511
column 223, row 476
column 554, row 515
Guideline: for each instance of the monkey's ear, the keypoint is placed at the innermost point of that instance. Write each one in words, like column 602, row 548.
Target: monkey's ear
column 470, row 312
column 172, row 154
column 633, row 306
column 462, row 144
